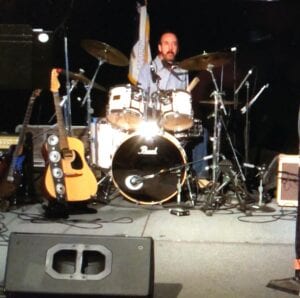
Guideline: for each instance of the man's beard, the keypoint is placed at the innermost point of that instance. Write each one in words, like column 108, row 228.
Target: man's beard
column 169, row 57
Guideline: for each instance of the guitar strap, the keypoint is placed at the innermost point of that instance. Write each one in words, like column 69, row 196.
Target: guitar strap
column 55, row 164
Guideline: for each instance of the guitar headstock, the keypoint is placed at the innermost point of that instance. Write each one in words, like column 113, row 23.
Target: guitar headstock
column 54, row 86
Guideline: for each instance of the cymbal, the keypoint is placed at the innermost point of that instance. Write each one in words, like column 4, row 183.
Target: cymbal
column 80, row 77
column 101, row 50
column 212, row 102
column 201, row 62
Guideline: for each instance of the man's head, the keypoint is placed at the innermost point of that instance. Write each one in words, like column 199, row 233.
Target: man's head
column 168, row 47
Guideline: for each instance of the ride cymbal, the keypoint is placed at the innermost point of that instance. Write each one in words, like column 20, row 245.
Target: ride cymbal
column 80, row 77
column 101, row 50
column 201, row 62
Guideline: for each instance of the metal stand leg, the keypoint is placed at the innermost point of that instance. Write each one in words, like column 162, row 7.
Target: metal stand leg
column 104, row 188
column 179, row 210
column 260, row 206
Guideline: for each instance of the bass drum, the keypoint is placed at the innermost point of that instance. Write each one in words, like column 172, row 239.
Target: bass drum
column 139, row 156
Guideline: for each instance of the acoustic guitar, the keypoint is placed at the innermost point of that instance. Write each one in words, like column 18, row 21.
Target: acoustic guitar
column 67, row 175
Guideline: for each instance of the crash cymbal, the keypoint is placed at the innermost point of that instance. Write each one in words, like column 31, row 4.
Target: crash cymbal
column 211, row 102
column 80, row 77
column 101, row 50
column 201, row 62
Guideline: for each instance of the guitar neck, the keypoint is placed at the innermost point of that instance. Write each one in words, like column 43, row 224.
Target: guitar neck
column 63, row 140
column 19, row 147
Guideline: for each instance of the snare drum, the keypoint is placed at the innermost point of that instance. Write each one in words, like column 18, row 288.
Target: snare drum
column 139, row 156
column 105, row 140
column 195, row 131
column 176, row 110
column 126, row 107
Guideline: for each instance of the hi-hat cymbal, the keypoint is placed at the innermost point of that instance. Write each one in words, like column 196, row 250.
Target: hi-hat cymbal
column 80, row 77
column 212, row 102
column 201, row 62
column 101, row 50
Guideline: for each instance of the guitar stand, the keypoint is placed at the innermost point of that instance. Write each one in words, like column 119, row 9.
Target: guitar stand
column 57, row 209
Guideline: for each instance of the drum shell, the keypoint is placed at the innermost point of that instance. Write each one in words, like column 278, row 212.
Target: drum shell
column 176, row 110
column 142, row 156
column 125, row 107
column 105, row 139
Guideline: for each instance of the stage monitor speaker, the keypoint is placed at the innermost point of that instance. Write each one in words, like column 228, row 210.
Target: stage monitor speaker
column 288, row 180
column 42, row 265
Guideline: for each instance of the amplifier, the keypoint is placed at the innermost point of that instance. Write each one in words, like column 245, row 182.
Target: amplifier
column 8, row 140
column 288, row 180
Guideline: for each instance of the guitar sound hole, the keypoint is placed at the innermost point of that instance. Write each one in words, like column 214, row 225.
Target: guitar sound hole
column 77, row 163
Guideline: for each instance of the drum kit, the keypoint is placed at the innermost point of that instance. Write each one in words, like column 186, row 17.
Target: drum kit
column 142, row 156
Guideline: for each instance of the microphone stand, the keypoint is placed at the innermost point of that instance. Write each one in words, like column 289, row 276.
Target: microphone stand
column 67, row 106
column 261, row 206
column 247, row 126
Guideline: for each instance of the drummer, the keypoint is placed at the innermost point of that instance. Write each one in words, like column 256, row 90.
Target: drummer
column 163, row 74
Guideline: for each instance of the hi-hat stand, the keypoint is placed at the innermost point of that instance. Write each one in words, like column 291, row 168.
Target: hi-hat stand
column 222, row 168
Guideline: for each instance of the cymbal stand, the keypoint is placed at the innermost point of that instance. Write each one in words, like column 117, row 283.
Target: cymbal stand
column 217, row 124
column 87, row 97
column 223, row 167
column 247, row 127
column 89, row 109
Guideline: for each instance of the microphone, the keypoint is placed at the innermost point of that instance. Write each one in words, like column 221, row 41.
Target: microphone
column 243, row 81
column 135, row 179
column 134, row 182
column 248, row 165
column 246, row 107
column 155, row 77
column 252, row 166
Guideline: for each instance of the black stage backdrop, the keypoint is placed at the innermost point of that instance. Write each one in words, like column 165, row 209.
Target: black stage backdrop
column 265, row 33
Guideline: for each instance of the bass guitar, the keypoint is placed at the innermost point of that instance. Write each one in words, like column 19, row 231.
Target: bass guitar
column 68, row 177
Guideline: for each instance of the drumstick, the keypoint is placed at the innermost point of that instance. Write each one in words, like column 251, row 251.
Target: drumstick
column 192, row 84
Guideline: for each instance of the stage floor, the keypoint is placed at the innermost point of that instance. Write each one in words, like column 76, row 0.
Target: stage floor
column 228, row 254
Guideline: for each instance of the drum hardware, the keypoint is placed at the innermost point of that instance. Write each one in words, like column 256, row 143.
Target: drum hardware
column 79, row 77
column 222, row 169
column 104, row 189
column 211, row 102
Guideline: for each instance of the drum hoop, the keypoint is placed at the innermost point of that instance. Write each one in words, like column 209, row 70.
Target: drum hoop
column 175, row 142
column 129, row 86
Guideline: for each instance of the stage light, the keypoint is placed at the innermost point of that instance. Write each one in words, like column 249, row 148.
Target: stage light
column 148, row 129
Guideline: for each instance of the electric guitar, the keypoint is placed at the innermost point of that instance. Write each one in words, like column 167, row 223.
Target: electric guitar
column 68, row 176
column 11, row 180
